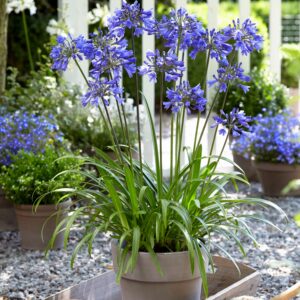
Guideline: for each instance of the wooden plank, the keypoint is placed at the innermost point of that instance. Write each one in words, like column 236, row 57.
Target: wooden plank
column 101, row 287
column 224, row 284
column 148, row 43
column 74, row 14
column 244, row 11
column 212, row 18
column 183, row 157
column 290, row 293
column 275, row 37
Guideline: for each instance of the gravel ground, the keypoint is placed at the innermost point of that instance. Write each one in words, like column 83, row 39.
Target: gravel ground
column 29, row 275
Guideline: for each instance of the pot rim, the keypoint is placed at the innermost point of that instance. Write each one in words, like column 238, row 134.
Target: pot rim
column 43, row 207
column 272, row 166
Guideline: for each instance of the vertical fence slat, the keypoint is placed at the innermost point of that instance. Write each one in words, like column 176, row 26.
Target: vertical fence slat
column 183, row 4
column 212, row 18
column 148, row 43
column 244, row 11
column 275, row 37
column 74, row 14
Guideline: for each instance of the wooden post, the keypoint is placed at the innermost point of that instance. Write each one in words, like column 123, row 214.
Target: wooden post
column 3, row 44
column 244, row 10
column 213, row 10
column 148, row 43
column 74, row 14
column 275, row 37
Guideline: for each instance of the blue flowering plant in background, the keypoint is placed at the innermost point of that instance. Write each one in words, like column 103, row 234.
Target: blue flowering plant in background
column 241, row 145
column 276, row 138
column 26, row 132
column 131, row 200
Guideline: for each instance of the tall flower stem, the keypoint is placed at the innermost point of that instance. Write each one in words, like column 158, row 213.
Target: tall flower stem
column 216, row 129
column 177, row 165
column 137, row 97
column 160, row 123
column 113, row 132
column 205, row 89
column 127, row 134
column 27, row 40
column 110, row 127
column 171, row 148
column 208, row 116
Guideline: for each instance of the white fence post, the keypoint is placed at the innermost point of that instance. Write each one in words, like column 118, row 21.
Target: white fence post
column 244, row 11
column 212, row 18
column 148, row 43
column 275, row 37
column 74, row 14
column 182, row 4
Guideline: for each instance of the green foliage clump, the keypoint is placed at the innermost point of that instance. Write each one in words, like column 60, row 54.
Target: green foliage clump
column 31, row 176
column 265, row 93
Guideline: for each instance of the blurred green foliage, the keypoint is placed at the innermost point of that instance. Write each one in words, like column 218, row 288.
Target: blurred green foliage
column 265, row 93
column 32, row 175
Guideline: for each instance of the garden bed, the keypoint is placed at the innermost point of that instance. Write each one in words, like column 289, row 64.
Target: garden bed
column 29, row 275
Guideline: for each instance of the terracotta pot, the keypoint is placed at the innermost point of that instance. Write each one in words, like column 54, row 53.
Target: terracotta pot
column 274, row 177
column 246, row 165
column 145, row 283
column 8, row 221
column 33, row 235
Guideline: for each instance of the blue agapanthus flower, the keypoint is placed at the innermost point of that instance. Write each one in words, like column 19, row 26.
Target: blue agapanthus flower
column 219, row 47
column 276, row 138
column 185, row 96
column 230, row 74
column 245, row 36
column 133, row 17
column 235, row 122
column 108, row 54
column 63, row 52
column 179, row 29
column 100, row 90
column 165, row 62
column 28, row 132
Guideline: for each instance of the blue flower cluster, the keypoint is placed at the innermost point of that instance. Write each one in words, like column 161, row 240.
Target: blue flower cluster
column 242, row 144
column 233, row 74
column 235, row 121
column 184, row 95
column 109, row 54
column 22, row 131
column 166, row 63
column 63, row 52
column 133, row 17
column 276, row 138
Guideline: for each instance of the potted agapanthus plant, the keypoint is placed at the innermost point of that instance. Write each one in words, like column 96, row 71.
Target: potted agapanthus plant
column 30, row 151
column 275, row 144
column 160, row 227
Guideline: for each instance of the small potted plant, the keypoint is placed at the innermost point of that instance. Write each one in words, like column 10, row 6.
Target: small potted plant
column 264, row 94
column 242, row 156
column 275, row 144
column 160, row 227
column 29, row 173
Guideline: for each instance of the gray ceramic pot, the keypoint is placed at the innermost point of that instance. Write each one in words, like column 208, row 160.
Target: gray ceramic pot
column 246, row 165
column 145, row 283
column 37, row 228
column 275, row 177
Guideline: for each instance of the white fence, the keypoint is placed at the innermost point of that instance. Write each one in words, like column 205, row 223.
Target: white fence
column 74, row 13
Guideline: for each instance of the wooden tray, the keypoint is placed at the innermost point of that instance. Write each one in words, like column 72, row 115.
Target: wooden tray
column 225, row 284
